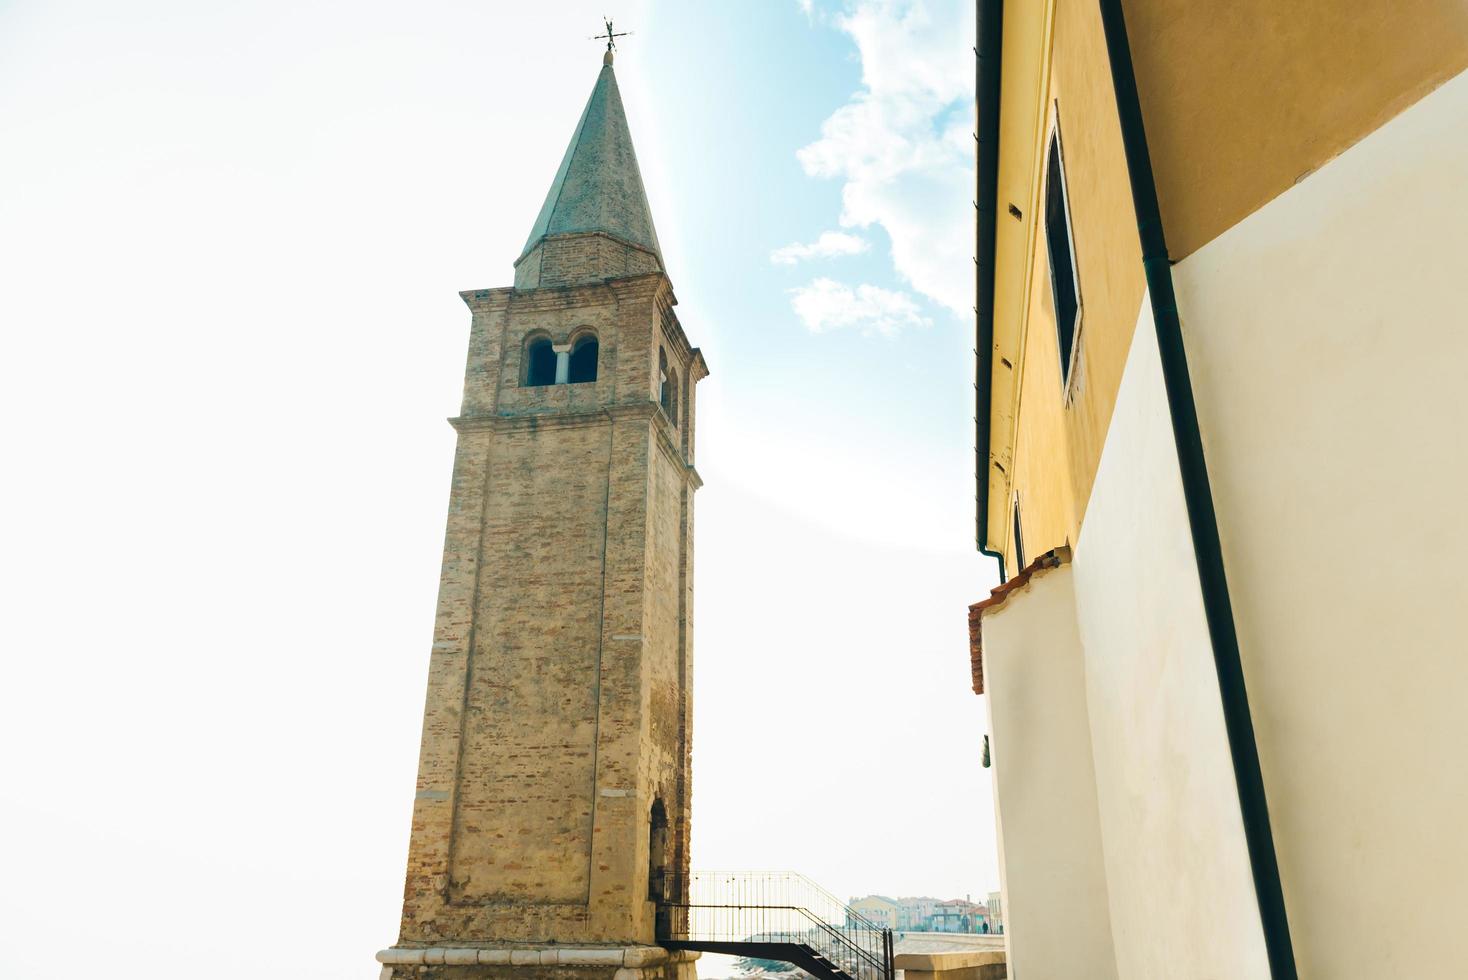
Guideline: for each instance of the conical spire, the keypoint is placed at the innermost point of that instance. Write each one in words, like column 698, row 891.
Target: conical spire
column 598, row 187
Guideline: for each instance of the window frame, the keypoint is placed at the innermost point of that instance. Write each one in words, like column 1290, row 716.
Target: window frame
column 1055, row 143
column 527, row 356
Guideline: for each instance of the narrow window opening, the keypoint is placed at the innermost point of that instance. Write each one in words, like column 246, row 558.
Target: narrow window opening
column 657, row 850
column 1019, row 541
column 667, row 388
column 1064, row 284
column 540, row 363
column 583, row 361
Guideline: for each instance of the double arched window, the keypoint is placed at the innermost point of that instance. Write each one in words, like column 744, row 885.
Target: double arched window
column 667, row 387
column 544, row 364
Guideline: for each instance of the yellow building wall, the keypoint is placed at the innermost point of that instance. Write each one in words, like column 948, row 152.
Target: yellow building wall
column 876, row 912
column 1233, row 118
column 1242, row 100
column 1058, row 435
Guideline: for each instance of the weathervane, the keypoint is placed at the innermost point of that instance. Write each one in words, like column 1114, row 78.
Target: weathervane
column 610, row 36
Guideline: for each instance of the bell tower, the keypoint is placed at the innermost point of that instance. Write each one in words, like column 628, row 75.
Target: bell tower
column 554, row 769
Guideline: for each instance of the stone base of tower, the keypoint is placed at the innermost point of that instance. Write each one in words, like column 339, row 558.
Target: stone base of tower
column 537, row 963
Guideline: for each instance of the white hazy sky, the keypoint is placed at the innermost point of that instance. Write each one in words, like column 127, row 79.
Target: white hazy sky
column 231, row 242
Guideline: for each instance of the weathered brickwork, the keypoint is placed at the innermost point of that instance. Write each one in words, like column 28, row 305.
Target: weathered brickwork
column 558, row 708
column 554, row 772
column 568, row 260
column 522, row 805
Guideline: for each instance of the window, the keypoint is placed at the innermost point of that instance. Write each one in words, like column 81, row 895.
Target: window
column 540, row 363
column 1065, row 287
column 1018, row 541
column 583, row 360
column 667, row 387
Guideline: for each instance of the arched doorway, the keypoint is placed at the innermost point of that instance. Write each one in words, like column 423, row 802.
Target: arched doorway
column 657, row 850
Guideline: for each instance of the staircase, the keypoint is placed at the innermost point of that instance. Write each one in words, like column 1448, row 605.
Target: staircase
column 774, row 916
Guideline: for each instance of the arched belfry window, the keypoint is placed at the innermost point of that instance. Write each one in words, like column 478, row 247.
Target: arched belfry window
column 657, row 850
column 540, row 362
column 667, row 387
column 583, row 359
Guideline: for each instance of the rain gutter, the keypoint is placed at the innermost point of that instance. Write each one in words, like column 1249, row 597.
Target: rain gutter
column 990, row 17
column 1202, row 519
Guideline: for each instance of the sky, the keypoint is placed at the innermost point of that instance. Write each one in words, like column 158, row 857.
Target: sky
column 232, row 238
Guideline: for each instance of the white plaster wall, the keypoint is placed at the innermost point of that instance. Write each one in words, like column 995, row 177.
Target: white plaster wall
column 1182, row 897
column 1328, row 338
column 1056, row 919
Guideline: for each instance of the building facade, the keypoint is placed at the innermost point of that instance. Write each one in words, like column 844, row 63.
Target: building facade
column 923, row 914
column 916, row 912
column 1219, row 329
column 959, row 915
column 554, row 774
column 877, row 909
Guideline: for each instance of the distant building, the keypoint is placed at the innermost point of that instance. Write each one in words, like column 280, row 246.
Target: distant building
column 959, row 915
column 877, row 909
column 996, row 912
column 927, row 914
column 914, row 913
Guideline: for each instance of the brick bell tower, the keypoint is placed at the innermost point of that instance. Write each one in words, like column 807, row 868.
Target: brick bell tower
column 554, row 770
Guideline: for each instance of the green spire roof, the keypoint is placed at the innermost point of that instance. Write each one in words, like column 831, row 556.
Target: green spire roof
column 598, row 186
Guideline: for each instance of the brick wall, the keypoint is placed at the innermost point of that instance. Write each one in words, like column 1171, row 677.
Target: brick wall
column 565, row 260
column 558, row 700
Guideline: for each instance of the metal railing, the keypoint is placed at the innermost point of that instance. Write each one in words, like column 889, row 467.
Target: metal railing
column 773, row 908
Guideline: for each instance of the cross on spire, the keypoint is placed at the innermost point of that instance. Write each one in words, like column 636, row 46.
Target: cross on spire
column 610, row 36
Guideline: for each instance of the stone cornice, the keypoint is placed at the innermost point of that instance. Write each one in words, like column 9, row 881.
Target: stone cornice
column 589, row 234
column 666, row 299
column 561, row 297
column 633, row 957
column 673, row 328
column 648, row 283
column 482, row 300
column 700, row 366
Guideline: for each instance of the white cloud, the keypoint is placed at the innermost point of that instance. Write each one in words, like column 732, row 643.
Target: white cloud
column 829, row 245
column 902, row 144
column 807, row 7
column 825, row 304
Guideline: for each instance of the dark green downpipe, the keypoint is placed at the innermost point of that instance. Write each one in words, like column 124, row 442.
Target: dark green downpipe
column 1199, row 498
column 986, row 93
